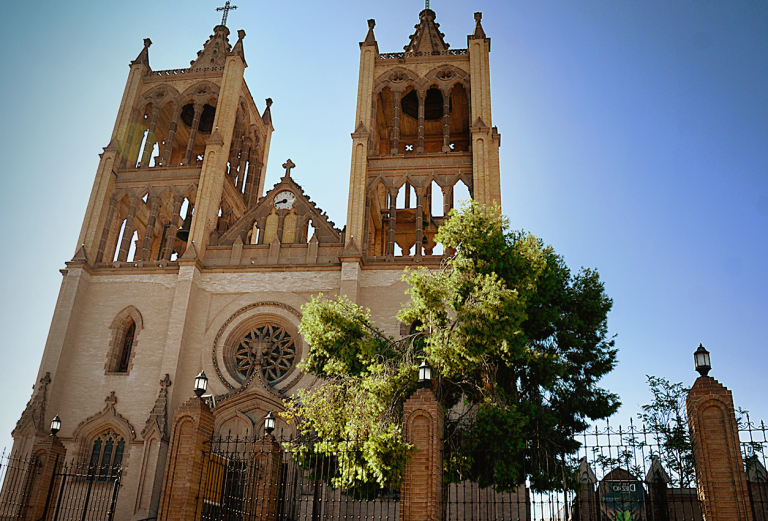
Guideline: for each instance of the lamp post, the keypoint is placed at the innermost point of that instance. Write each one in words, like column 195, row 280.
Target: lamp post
column 425, row 374
column 55, row 425
column 269, row 423
column 701, row 358
column 201, row 384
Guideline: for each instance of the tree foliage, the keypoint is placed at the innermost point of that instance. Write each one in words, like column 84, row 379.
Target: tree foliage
column 518, row 344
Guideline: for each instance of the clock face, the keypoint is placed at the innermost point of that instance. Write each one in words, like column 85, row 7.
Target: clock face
column 284, row 200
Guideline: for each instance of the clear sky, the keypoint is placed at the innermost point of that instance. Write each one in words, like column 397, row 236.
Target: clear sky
column 634, row 141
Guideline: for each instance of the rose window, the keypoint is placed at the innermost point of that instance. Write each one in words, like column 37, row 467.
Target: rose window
column 269, row 347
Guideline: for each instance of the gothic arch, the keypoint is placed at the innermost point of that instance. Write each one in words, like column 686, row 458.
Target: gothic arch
column 126, row 327
column 106, row 421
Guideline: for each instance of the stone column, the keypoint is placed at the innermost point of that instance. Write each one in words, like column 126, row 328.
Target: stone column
column 149, row 233
column 421, row 496
column 168, row 149
column 447, row 200
column 422, row 99
column 133, row 127
column 720, row 478
column 149, row 144
column 396, row 95
column 419, row 221
column 49, row 453
column 252, row 181
column 170, row 237
column 263, row 490
column 125, row 243
column 186, row 466
column 107, row 229
column 446, row 121
column 392, row 222
column 234, row 151
column 193, row 134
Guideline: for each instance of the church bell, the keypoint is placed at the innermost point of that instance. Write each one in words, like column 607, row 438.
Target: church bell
column 183, row 233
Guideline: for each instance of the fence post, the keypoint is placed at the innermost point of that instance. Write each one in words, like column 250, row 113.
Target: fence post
column 720, row 478
column 192, row 427
column 265, row 476
column 421, row 497
column 49, row 453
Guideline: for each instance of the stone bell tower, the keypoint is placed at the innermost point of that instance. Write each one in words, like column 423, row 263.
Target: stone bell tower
column 191, row 134
column 423, row 124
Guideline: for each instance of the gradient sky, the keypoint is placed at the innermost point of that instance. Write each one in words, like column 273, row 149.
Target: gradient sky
column 634, row 141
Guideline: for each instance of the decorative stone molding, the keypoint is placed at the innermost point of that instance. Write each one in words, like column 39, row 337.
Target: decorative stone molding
column 158, row 417
column 32, row 420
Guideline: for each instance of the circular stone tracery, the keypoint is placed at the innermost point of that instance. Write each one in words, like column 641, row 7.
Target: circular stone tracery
column 270, row 347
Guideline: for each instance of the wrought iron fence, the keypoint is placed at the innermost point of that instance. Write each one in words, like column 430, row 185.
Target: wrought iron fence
column 283, row 478
column 17, row 474
column 82, row 492
column 616, row 474
column 754, row 445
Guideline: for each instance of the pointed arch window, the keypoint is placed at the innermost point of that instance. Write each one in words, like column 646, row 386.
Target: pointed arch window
column 127, row 347
column 106, row 454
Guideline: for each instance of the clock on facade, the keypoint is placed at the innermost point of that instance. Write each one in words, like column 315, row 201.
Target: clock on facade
column 284, row 200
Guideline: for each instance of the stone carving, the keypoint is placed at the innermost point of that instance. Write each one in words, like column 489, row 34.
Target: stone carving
column 34, row 412
column 108, row 415
column 159, row 416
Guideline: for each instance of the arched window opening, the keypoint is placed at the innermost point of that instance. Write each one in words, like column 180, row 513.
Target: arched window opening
column 400, row 199
column 409, row 123
column 433, row 120
column 207, row 116
column 144, row 137
column 119, row 241
column 460, row 193
column 436, row 200
column 184, row 209
column 125, row 352
column 398, row 250
column 459, row 119
column 310, row 230
column 154, row 154
column 133, row 246
column 106, row 454
column 244, row 175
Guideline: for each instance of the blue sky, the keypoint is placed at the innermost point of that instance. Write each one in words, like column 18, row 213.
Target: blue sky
column 634, row 141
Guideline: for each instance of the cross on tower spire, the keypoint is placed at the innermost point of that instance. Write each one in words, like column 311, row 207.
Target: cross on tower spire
column 426, row 4
column 227, row 8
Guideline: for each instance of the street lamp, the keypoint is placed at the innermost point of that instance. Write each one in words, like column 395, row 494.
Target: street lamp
column 55, row 425
column 701, row 357
column 269, row 423
column 425, row 374
column 201, row 384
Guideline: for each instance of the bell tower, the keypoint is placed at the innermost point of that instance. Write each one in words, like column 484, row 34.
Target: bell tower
column 189, row 146
column 423, row 125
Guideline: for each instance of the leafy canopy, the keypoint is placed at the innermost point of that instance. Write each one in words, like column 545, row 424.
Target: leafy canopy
column 518, row 345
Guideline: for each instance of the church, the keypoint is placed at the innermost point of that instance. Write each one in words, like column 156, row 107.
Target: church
column 187, row 263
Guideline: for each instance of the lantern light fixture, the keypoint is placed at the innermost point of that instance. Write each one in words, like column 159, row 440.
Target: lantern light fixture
column 201, row 384
column 55, row 425
column 702, row 360
column 425, row 374
column 269, row 423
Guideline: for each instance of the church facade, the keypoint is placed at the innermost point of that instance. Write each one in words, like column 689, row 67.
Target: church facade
column 186, row 262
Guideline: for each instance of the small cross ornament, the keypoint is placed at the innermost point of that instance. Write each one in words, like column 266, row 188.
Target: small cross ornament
column 288, row 165
column 227, row 8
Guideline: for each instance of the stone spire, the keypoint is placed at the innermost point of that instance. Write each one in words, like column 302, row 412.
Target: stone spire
column 143, row 57
column 215, row 50
column 427, row 38
column 370, row 39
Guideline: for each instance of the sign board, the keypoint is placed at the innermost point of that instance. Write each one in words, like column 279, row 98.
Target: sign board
column 621, row 501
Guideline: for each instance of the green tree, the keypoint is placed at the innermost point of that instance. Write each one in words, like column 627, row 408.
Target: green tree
column 518, row 344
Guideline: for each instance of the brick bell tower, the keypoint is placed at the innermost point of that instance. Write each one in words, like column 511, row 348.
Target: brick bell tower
column 423, row 125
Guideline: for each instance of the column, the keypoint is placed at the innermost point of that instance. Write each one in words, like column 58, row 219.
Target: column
column 419, row 221
column 446, row 121
column 125, row 243
column 396, row 95
column 240, row 168
column 149, row 233
column 42, row 489
column 263, row 492
column 132, row 128
column 170, row 237
column 107, row 228
column 422, row 98
column 186, row 466
column 254, row 177
column 234, row 151
column 422, row 490
column 168, row 150
column 193, row 134
column 392, row 222
column 447, row 200
column 720, row 477
column 149, row 145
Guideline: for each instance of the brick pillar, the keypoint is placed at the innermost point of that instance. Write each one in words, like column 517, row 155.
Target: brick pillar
column 185, row 467
column 722, row 484
column 421, row 496
column 49, row 453
column 264, row 487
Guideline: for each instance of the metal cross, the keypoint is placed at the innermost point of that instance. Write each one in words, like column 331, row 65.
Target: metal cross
column 227, row 8
column 426, row 4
